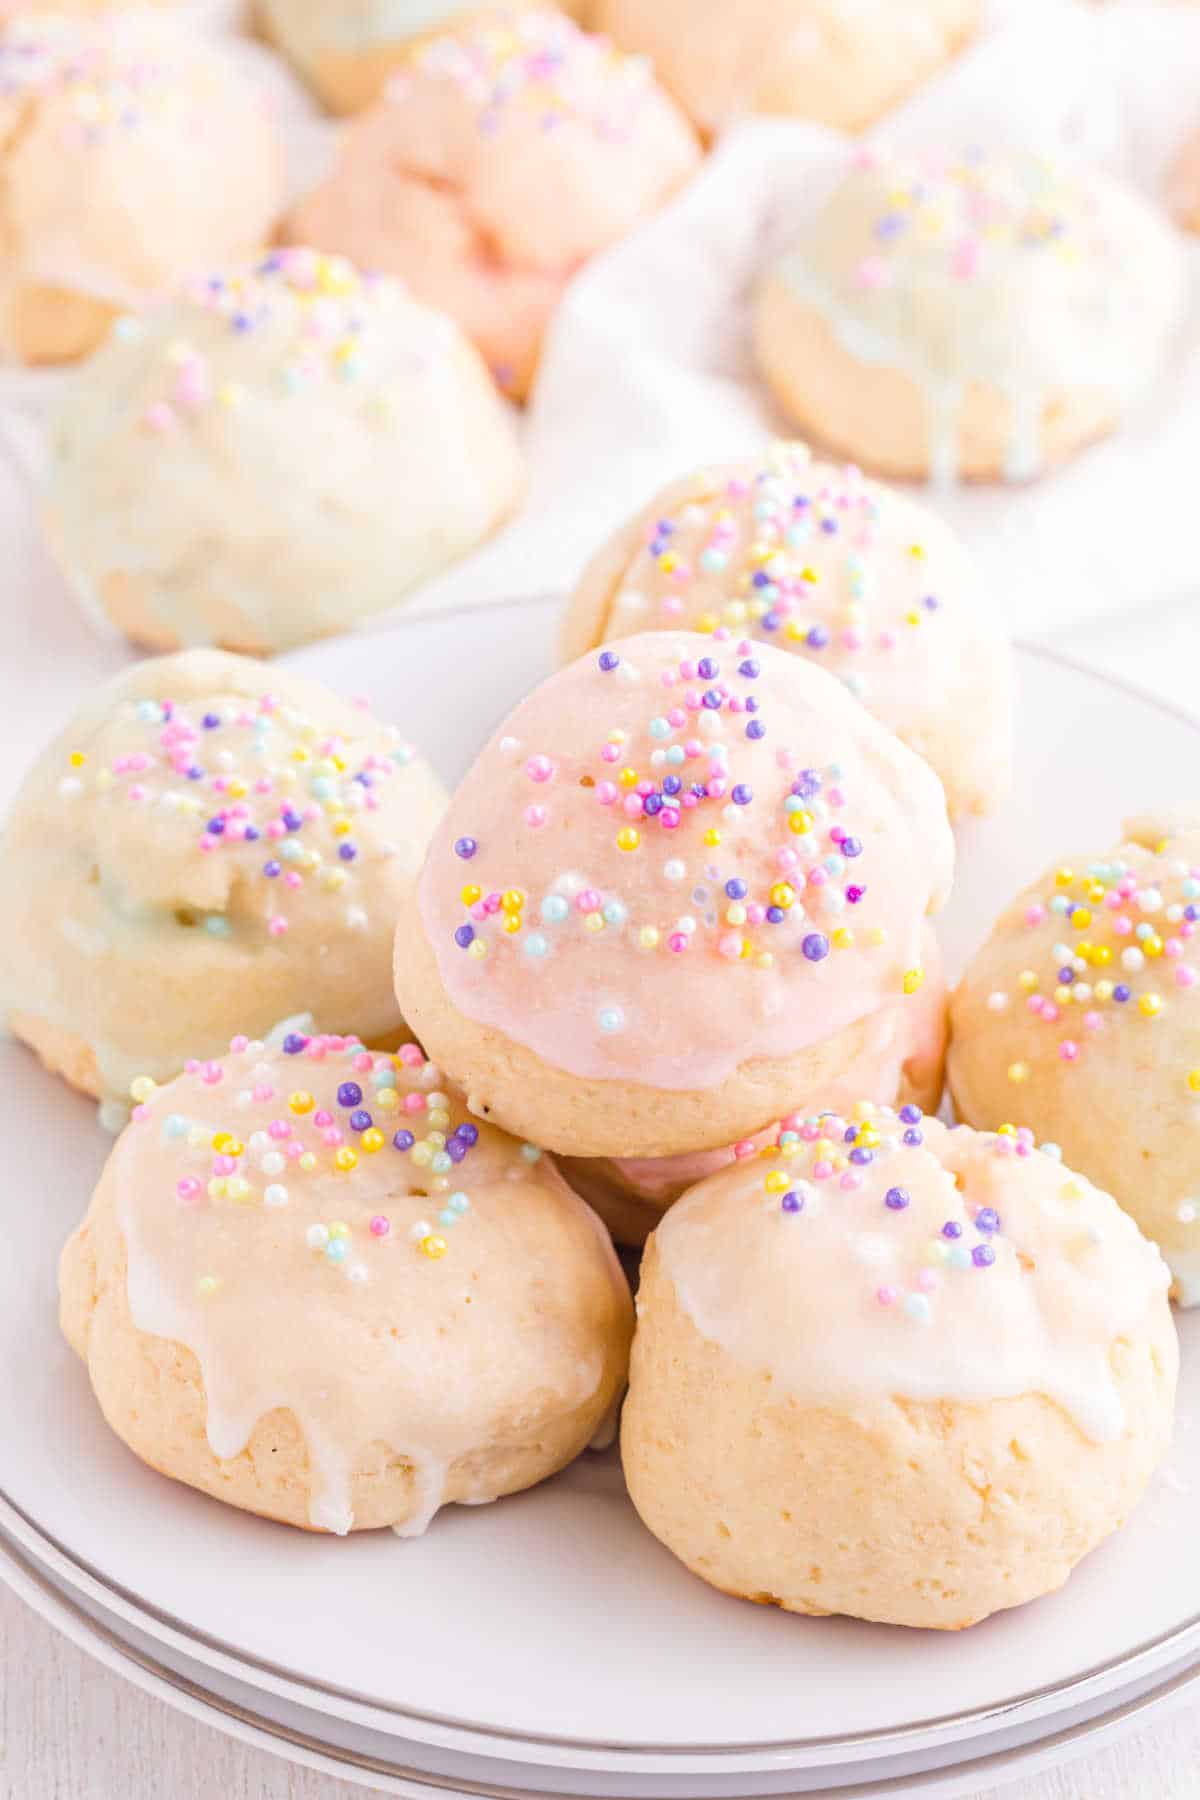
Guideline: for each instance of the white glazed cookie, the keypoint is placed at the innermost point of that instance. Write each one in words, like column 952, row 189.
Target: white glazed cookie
column 310, row 1286
column 208, row 843
column 983, row 316
column 896, row 1371
column 836, row 62
column 348, row 49
column 672, row 894
column 132, row 152
column 506, row 153
column 1081, row 1014
column 820, row 561
column 279, row 453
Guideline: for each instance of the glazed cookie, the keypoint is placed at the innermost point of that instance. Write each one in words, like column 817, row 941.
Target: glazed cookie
column 896, row 1371
column 903, row 1061
column 131, row 153
column 836, row 62
column 206, row 842
column 276, row 455
column 824, row 563
column 1183, row 185
column 983, row 317
column 347, row 50
column 310, row 1286
column 502, row 158
column 673, row 893
column 1081, row 1013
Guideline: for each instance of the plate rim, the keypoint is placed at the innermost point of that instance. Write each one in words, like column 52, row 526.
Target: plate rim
column 615, row 1753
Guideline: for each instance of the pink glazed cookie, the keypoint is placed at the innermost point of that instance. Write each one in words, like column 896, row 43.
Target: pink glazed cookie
column 824, row 563
column 672, row 894
column 499, row 161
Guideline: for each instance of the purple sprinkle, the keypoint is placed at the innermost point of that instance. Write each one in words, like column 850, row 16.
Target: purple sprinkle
column 792, row 1202
column 347, row 852
column 671, row 784
column 850, row 846
column 293, row 1043
column 292, row 820
column 913, row 1137
column 829, row 526
column 349, row 1094
column 1066, row 976
column 1121, row 992
column 756, row 729
column 360, row 1119
column 468, row 1133
column 952, row 1229
column 749, row 668
column 896, row 1199
column 466, row 848
column 464, row 935
column 742, row 795
column 455, row 1149
column 861, row 1155
column 707, row 669
column 735, row 887
column 987, row 1219
column 404, row 1140
column 608, row 661
column 210, row 721
column 817, row 638
column 215, row 828
column 652, row 804
column 983, row 1256
column 712, row 700
column 910, row 1114
column 272, row 868
column 775, row 915
column 816, row 946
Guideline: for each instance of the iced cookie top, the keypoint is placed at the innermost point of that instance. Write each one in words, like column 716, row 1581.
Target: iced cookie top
column 675, row 858
column 109, row 75
column 236, row 798
column 327, row 1230
column 884, row 1256
column 1001, row 268
column 815, row 559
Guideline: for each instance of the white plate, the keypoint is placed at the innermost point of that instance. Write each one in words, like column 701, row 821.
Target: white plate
column 551, row 1628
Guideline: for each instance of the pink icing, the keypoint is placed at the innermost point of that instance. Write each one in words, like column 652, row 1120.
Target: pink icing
column 613, row 945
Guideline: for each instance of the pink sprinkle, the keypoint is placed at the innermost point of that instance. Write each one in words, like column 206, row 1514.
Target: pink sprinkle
column 873, row 272
column 293, row 881
column 159, row 418
column 263, row 1091
column 588, row 901
column 730, row 945
column 810, row 1133
column 140, row 1113
column 756, row 912
column 1122, row 926
column 332, row 1137
column 362, row 1062
column 1184, row 976
column 743, row 1148
column 224, row 1165
column 411, row 1055
column 187, row 1188
column 822, row 1171
column 1068, row 1050
column 322, row 1118
column 1174, row 948
column 539, row 768
column 927, row 1280
column 850, row 1182
column 1035, row 915
column 887, row 1295
column 1093, row 1021
column 238, row 1044
column 606, row 792
column 277, row 925
column 677, row 941
column 610, row 753
column 279, row 1128
column 212, row 1073
column 535, row 817
column 818, row 877
column 380, row 1226
column 631, row 806
column 677, row 718
column 414, row 1103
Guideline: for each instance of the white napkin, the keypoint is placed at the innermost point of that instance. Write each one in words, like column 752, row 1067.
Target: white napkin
column 646, row 371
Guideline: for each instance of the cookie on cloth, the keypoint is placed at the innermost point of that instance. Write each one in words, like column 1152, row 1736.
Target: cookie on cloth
column 348, row 50
column 281, row 452
column 836, row 62
column 902, row 1061
column 310, row 1286
column 672, row 894
column 1081, row 1015
column 501, row 158
column 893, row 1370
column 983, row 315
column 818, row 560
column 208, row 842
column 132, row 152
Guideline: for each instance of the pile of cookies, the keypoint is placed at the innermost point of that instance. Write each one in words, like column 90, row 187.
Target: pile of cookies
column 395, row 1072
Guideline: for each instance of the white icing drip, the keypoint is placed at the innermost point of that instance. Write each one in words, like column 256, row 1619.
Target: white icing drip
column 798, row 1293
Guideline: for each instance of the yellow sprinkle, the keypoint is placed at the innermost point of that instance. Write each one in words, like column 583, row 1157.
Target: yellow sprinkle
column 628, row 778
column 1027, row 981
column 77, row 759
column 1103, row 990
column 1018, row 1072
column 372, row 1140
column 912, row 618
column 477, row 948
column 809, row 575
column 1062, row 995
column 207, row 1284
column 1101, row 956
column 301, row 1102
column 1152, row 946
column 712, row 837
column 917, row 550
column 471, row 894
column 1193, row 1080
column 238, row 1188
column 842, row 939
column 1006, row 1131
column 142, row 1088
column 342, row 828
column 628, row 838
column 512, row 923
column 877, row 935
column 648, row 937
column 1150, row 1005
column 776, row 1181
column 707, row 622
column 616, row 737
column 735, row 913
column 338, row 1228
column 912, row 980
column 799, row 823
column 1081, row 918
column 783, row 894
column 307, row 1162
column 512, row 900
column 346, row 1159
column 1063, row 877
column 434, row 1247
column 765, row 960
column 593, row 921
